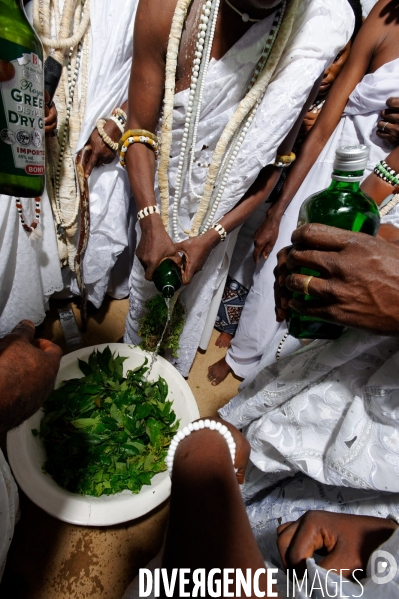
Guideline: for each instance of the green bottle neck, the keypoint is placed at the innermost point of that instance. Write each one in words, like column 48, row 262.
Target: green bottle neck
column 350, row 181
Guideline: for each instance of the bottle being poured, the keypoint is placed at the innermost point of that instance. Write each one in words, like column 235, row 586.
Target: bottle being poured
column 167, row 279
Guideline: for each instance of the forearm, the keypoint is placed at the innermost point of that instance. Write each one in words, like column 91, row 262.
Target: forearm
column 310, row 151
column 255, row 196
column 208, row 526
column 21, row 394
column 140, row 166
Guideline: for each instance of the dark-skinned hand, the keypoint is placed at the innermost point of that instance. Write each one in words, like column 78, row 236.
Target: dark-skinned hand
column 50, row 115
column 155, row 245
column 266, row 236
column 7, row 71
column 347, row 540
column 28, row 369
column 359, row 278
column 196, row 251
column 389, row 132
column 101, row 153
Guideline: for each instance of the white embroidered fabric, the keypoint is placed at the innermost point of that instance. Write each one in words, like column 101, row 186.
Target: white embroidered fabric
column 111, row 47
column 321, row 29
column 328, row 411
column 255, row 342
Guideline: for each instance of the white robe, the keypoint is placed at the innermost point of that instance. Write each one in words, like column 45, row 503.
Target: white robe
column 258, row 335
column 29, row 271
column 367, row 6
column 111, row 48
column 321, row 29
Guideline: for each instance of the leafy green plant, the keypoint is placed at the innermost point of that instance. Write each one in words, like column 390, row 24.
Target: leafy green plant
column 153, row 324
column 104, row 433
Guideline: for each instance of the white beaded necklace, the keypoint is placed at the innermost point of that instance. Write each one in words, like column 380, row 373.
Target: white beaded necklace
column 61, row 182
column 234, row 133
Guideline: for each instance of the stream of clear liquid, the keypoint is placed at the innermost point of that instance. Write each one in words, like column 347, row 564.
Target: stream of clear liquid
column 169, row 304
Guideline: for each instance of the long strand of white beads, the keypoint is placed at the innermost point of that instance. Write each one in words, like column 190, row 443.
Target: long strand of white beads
column 240, row 134
column 247, row 104
column 172, row 54
column 196, row 426
column 232, row 130
column 206, row 32
column 201, row 91
column 64, row 43
column 72, row 79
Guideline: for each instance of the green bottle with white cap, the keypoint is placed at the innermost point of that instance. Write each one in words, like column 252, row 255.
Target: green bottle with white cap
column 343, row 205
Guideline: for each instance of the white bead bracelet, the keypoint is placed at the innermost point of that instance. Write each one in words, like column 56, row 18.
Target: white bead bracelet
column 147, row 211
column 196, row 426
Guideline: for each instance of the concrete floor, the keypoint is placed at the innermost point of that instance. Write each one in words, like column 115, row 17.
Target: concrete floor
column 50, row 559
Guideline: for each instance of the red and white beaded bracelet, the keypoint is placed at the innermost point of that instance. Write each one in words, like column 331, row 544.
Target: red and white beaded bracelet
column 196, row 426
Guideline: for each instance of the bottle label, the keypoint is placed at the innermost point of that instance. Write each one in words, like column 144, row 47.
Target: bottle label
column 21, row 111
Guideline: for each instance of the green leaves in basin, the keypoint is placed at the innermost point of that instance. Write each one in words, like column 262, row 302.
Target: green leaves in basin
column 104, row 433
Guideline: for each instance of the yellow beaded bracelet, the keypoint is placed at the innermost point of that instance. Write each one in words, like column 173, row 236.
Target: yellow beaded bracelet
column 284, row 161
column 133, row 136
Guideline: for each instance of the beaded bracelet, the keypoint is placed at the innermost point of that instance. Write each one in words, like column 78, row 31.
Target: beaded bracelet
column 133, row 136
column 118, row 123
column 284, row 161
column 221, row 230
column 106, row 138
column 119, row 117
column 120, row 114
column 385, row 172
column 147, row 211
column 196, row 426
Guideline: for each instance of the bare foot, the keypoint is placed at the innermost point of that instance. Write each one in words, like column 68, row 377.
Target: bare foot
column 224, row 340
column 218, row 372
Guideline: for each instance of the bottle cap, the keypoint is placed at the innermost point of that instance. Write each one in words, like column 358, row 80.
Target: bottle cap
column 351, row 158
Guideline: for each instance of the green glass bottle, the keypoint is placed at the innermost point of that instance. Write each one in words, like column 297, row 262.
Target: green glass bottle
column 167, row 278
column 21, row 104
column 342, row 205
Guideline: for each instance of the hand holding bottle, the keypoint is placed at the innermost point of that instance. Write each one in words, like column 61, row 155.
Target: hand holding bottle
column 50, row 116
column 7, row 71
column 155, row 245
column 358, row 284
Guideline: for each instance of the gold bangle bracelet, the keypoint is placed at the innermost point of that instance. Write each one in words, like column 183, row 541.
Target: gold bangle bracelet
column 284, row 161
column 137, row 133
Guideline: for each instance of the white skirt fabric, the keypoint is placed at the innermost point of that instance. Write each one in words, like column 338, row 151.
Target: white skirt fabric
column 29, row 271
